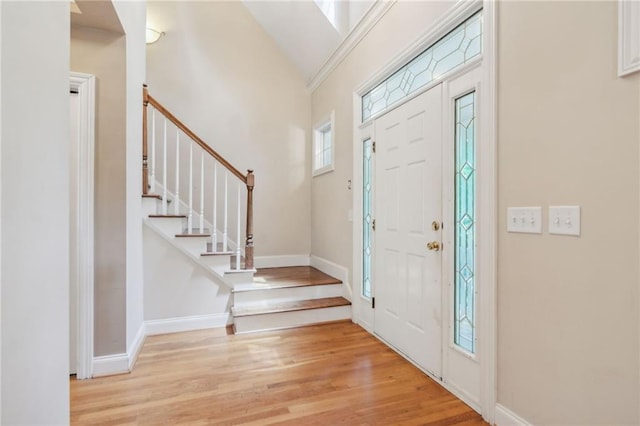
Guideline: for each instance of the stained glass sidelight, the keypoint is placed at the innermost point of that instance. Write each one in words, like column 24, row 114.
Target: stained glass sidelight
column 456, row 48
column 367, row 217
column 465, row 222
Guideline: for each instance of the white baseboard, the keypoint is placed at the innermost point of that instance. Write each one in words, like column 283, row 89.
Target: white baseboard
column 110, row 364
column 506, row 417
column 281, row 261
column 335, row 270
column 134, row 350
column 176, row 325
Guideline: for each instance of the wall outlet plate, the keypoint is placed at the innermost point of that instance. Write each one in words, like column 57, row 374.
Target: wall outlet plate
column 527, row 220
column 564, row 220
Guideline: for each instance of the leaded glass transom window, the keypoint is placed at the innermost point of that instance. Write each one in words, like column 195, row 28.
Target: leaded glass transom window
column 367, row 216
column 465, row 222
column 456, row 48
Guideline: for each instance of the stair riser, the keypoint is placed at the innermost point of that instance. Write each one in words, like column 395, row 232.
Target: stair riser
column 218, row 260
column 193, row 245
column 149, row 206
column 275, row 321
column 168, row 225
column 244, row 298
column 234, row 278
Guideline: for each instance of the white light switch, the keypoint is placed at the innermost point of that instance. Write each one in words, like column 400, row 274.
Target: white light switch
column 524, row 219
column 564, row 220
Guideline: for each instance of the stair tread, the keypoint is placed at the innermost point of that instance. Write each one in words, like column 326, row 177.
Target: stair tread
column 168, row 216
column 298, row 305
column 217, row 253
column 159, row 197
column 285, row 277
column 192, row 235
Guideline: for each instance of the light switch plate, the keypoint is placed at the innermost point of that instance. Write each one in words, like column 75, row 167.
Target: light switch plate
column 564, row 220
column 524, row 219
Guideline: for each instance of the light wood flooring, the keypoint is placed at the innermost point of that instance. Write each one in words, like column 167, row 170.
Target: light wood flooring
column 320, row 375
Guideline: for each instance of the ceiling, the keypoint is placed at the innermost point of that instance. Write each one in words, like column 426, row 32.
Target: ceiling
column 97, row 14
column 302, row 31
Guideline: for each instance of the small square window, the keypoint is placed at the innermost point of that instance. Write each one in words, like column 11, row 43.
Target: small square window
column 323, row 149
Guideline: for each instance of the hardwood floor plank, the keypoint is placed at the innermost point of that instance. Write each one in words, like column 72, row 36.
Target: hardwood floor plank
column 318, row 375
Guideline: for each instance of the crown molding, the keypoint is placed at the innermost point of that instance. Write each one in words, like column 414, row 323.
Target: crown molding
column 368, row 21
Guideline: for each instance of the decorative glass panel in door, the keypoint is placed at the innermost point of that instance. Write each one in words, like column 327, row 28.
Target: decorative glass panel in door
column 465, row 222
column 367, row 216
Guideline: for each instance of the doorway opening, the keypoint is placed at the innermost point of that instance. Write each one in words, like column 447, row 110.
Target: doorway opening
column 81, row 239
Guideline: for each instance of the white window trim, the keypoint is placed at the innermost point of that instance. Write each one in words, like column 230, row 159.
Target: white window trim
column 328, row 121
column 628, row 41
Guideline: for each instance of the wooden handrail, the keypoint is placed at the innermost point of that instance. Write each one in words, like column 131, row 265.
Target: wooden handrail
column 248, row 179
column 180, row 125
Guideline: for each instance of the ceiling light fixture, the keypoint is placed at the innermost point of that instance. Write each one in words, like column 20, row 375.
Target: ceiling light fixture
column 153, row 35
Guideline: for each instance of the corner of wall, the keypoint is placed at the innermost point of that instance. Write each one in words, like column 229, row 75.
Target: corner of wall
column 506, row 417
column 136, row 346
column 338, row 271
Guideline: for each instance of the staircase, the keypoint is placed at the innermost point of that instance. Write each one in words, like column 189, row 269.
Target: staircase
column 264, row 299
column 208, row 228
column 288, row 297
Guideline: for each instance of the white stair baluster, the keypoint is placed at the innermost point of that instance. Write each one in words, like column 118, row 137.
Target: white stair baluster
column 238, row 233
column 176, row 202
column 214, row 225
column 164, row 170
column 152, row 184
column 224, row 229
column 190, row 219
column 202, row 191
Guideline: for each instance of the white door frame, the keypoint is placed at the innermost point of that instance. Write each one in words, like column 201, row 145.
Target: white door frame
column 486, row 181
column 84, row 85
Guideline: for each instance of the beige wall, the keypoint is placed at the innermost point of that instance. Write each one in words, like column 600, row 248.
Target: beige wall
column 330, row 199
column 102, row 54
column 133, row 17
column 219, row 72
column 568, row 134
column 568, row 337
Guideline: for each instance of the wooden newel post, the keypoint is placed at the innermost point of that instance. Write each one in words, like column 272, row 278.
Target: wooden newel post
column 145, row 164
column 248, row 248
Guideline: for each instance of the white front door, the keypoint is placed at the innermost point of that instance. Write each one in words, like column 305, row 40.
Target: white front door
column 408, row 274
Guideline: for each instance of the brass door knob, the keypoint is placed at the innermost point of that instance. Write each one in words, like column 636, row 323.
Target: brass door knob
column 433, row 245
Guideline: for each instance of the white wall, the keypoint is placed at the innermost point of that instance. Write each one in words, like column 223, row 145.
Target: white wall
column 175, row 286
column 35, row 212
column 132, row 15
column 218, row 71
